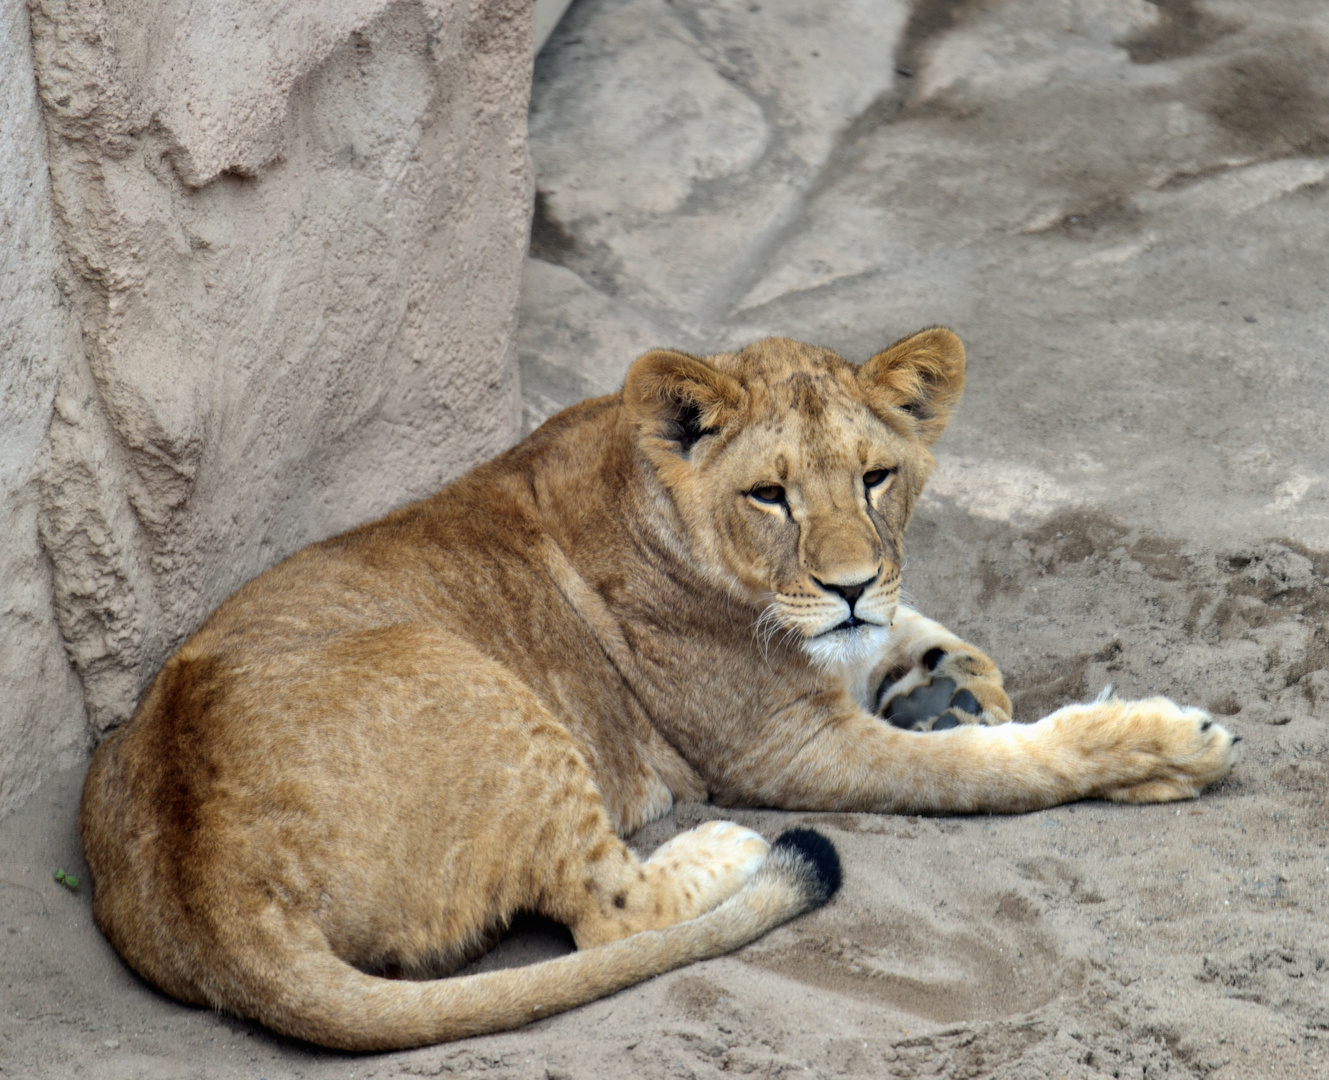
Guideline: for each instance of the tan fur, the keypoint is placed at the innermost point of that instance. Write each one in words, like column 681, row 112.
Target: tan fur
column 374, row 754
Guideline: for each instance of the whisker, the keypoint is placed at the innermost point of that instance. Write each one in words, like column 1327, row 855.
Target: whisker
column 765, row 628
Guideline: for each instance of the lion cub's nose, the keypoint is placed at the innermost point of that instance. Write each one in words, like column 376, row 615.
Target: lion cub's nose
column 851, row 593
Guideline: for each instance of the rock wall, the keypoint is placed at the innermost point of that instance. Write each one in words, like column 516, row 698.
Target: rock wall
column 41, row 712
column 282, row 252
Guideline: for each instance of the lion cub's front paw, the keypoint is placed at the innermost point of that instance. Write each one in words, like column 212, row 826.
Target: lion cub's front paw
column 708, row 864
column 943, row 690
column 1165, row 751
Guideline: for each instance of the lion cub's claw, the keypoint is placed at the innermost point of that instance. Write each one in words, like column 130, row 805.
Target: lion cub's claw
column 708, row 864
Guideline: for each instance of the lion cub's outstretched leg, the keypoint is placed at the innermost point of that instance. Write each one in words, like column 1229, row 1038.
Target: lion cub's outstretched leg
column 930, row 680
column 1128, row 751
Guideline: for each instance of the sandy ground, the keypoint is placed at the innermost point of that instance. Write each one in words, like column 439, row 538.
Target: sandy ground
column 1121, row 206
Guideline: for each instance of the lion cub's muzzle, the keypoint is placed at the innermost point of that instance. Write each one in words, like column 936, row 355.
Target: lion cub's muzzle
column 850, row 594
column 837, row 619
column 870, row 602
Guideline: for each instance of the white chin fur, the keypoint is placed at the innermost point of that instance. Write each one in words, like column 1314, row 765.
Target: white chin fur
column 844, row 649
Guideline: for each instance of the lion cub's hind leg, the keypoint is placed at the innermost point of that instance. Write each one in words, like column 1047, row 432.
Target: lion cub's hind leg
column 685, row 877
column 705, row 866
column 931, row 680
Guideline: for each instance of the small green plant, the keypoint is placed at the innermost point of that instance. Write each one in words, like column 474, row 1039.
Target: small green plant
column 69, row 881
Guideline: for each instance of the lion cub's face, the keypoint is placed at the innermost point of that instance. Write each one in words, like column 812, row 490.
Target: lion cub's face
column 795, row 473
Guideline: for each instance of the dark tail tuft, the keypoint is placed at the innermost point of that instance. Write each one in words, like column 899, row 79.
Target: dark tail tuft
column 820, row 862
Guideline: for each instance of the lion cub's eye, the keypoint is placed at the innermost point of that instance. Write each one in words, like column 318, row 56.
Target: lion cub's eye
column 768, row 493
column 876, row 477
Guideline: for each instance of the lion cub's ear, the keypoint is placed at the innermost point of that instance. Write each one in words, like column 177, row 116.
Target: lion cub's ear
column 674, row 399
column 921, row 375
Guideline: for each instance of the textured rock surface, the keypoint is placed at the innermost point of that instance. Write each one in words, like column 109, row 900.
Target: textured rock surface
column 291, row 246
column 41, row 719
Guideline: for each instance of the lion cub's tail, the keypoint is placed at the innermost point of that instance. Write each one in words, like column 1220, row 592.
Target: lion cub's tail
column 320, row 998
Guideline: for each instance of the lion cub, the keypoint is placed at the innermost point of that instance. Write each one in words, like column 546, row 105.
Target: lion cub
column 374, row 754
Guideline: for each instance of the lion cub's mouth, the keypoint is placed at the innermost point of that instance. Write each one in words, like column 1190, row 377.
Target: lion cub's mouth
column 849, row 624
column 853, row 642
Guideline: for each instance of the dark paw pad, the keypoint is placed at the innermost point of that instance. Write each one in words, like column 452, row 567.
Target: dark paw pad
column 938, row 706
column 932, row 658
column 921, row 703
column 966, row 701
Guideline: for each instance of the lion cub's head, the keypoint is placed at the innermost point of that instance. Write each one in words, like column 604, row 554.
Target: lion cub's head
column 794, row 473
